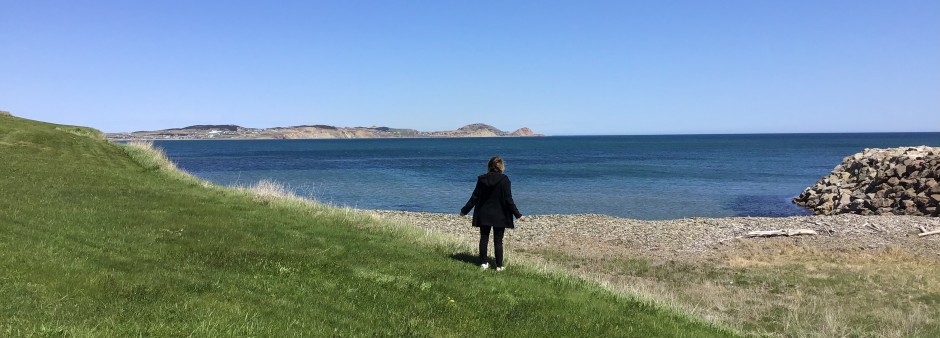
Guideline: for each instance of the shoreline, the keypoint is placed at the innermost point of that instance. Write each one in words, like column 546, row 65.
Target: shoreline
column 689, row 238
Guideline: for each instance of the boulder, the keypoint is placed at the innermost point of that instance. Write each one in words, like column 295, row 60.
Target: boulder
column 921, row 199
column 930, row 183
column 845, row 199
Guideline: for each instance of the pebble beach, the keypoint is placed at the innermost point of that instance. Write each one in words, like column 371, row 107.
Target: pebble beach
column 690, row 238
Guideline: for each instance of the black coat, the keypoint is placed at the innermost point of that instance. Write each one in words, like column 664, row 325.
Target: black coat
column 493, row 199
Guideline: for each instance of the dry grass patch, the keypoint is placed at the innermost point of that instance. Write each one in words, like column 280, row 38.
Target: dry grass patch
column 149, row 156
column 270, row 190
column 82, row 131
column 152, row 158
column 776, row 288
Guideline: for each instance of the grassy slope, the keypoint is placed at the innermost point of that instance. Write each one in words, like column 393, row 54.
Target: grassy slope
column 94, row 243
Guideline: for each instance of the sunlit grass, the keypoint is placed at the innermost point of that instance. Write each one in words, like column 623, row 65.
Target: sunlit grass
column 101, row 239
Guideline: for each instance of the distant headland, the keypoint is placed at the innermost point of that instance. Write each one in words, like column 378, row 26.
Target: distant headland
column 234, row 132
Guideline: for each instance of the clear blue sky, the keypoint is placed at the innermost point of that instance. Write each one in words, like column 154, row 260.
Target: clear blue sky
column 558, row 67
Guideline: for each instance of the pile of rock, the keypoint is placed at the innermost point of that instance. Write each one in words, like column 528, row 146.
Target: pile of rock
column 901, row 181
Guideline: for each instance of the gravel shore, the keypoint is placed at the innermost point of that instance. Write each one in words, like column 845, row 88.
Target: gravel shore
column 691, row 238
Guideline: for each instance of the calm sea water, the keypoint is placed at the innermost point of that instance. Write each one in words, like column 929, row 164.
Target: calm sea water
column 644, row 177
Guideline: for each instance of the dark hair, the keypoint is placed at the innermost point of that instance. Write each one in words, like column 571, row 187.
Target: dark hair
column 496, row 165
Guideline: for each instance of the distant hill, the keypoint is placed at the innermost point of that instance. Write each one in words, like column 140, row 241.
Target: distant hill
column 316, row 131
column 228, row 127
column 480, row 129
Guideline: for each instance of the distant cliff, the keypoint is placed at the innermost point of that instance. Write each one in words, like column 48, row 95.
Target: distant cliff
column 319, row 131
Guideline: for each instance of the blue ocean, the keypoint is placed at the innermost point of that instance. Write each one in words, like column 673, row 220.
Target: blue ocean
column 643, row 177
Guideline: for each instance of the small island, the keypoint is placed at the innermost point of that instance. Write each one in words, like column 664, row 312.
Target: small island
column 318, row 131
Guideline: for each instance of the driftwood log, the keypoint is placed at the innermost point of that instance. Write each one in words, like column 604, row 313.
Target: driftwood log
column 928, row 233
column 788, row 232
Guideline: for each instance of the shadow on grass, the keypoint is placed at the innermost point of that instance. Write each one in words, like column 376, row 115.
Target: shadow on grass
column 469, row 258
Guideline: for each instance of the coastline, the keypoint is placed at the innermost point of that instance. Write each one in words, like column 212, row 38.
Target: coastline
column 211, row 132
column 322, row 138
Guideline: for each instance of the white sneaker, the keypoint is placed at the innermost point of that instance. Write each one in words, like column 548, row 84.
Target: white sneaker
column 500, row 268
column 485, row 266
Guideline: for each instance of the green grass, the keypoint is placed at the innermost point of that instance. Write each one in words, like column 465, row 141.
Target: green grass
column 101, row 239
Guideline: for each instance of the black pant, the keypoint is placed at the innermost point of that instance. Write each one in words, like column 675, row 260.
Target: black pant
column 497, row 243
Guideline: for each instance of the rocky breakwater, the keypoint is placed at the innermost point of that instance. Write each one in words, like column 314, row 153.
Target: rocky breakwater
column 901, row 181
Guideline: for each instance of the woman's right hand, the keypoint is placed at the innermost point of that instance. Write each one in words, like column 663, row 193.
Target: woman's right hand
column 522, row 219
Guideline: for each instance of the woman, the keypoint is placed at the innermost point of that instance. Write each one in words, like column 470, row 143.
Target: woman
column 492, row 197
